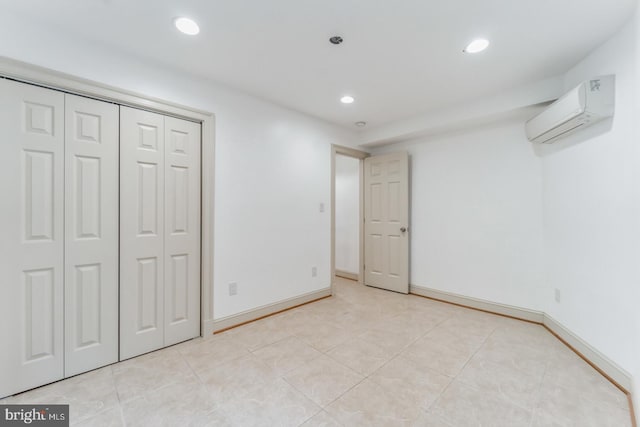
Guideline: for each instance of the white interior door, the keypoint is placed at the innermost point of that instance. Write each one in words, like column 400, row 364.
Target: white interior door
column 141, row 232
column 91, row 234
column 182, row 230
column 386, row 221
column 32, row 236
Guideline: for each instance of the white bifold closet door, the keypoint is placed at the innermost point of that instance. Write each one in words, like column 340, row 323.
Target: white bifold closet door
column 160, row 231
column 181, row 230
column 59, row 235
column 91, row 234
column 32, row 236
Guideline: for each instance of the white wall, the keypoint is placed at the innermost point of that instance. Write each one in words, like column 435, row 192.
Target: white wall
column 475, row 214
column 347, row 214
column 272, row 167
column 498, row 218
column 590, row 200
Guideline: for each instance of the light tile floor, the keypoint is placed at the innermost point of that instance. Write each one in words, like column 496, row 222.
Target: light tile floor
column 364, row 357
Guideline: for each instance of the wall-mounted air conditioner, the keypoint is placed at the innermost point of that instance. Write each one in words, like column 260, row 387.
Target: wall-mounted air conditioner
column 583, row 106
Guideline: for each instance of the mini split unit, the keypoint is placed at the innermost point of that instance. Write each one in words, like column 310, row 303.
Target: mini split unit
column 589, row 103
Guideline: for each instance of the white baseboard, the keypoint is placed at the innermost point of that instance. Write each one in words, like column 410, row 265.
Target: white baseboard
column 493, row 307
column 606, row 365
column 217, row 325
column 347, row 275
column 602, row 362
column 208, row 327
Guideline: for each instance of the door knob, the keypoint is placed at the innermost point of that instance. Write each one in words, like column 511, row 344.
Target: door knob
column 403, row 229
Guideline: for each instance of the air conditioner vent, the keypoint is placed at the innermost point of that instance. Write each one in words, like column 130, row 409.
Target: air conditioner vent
column 586, row 104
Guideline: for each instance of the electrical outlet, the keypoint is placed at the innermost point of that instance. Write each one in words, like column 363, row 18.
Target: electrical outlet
column 557, row 295
column 321, row 207
column 233, row 289
column 314, row 271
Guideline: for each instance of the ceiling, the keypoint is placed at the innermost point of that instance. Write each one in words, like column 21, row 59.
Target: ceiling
column 399, row 59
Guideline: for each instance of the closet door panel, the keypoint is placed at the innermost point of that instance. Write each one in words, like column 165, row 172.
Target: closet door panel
column 182, row 230
column 91, row 234
column 142, row 172
column 31, row 226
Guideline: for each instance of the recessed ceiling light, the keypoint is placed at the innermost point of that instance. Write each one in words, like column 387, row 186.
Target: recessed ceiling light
column 360, row 124
column 347, row 99
column 187, row 26
column 477, row 45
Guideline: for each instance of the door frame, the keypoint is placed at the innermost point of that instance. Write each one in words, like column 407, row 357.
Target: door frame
column 360, row 155
column 44, row 77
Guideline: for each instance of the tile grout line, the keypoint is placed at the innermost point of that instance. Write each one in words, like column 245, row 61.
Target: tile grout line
column 397, row 355
column 306, row 397
column 506, row 399
column 325, row 353
column 535, row 406
column 459, row 372
column 448, row 317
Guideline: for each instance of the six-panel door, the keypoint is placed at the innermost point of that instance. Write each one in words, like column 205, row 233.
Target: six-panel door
column 32, row 236
column 159, row 231
column 141, row 232
column 182, row 230
column 91, row 234
column 386, row 226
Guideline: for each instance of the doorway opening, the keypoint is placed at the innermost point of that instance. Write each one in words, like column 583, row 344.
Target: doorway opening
column 347, row 243
column 347, row 234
